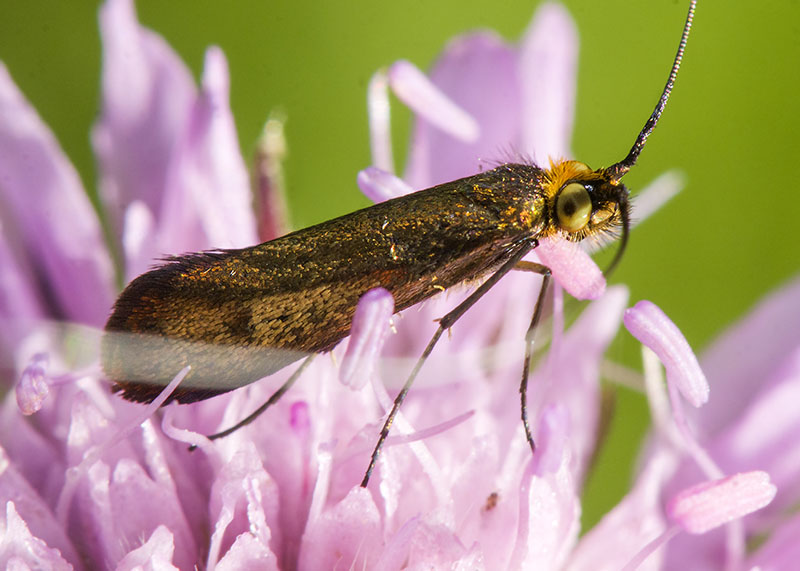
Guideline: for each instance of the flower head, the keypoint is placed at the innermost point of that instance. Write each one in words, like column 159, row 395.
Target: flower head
column 89, row 480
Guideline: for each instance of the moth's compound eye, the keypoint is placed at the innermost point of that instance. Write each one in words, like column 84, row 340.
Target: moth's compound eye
column 573, row 207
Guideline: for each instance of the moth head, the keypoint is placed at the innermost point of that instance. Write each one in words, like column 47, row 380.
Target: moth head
column 589, row 203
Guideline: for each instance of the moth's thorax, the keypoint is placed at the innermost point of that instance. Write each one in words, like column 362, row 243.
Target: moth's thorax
column 562, row 172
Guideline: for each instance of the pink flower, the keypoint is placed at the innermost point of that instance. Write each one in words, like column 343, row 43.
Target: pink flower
column 88, row 480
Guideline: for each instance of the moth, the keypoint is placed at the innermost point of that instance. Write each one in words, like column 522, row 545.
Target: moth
column 236, row 316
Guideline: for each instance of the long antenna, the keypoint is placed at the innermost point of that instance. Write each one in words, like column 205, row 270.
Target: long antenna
column 618, row 170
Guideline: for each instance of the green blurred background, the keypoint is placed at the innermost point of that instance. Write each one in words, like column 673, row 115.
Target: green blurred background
column 732, row 126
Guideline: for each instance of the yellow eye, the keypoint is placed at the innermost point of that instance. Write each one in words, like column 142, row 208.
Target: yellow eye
column 573, row 207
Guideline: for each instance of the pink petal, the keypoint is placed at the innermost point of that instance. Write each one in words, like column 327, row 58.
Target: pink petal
column 139, row 239
column 19, row 549
column 549, row 503
column 414, row 89
column 759, row 342
column 86, row 421
column 248, row 554
column 269, row 194
column 656, row 194
column 54, row 223
column 436, row 546
column 380, row 122
column 115, row 510
column 186, row 479
column 39, row 522
column 346, row 536
column 367, row 336
column 478, row 73
column 154, row 555
column 207, row 201
column 553, row 430
column 147, row 95
column 711, row 504
column 629, row 526
column 244, row 498
column 32, row 388
column 548, row 65
column 86, row 440
column 572, row 373
column 654, row 329
column 97, row 526
column 19, row 301
column 398, row 544
column 20, row 308
column 233, row 222
column 573, row 268
column 781, row 550
column 765, row 435
column 87, row 428
column 379, row 185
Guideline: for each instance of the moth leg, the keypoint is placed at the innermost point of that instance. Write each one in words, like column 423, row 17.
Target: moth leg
column 530, row 336
column 269, row 402
column 444, row 324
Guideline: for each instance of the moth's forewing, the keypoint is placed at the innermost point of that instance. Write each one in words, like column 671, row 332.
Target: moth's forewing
column 238, row 315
